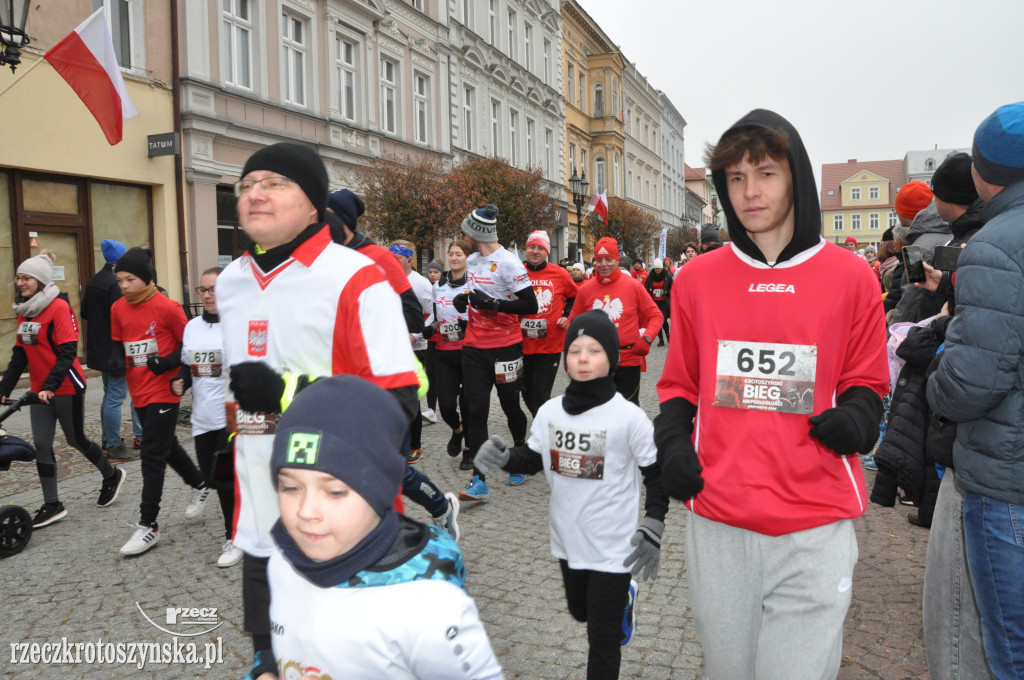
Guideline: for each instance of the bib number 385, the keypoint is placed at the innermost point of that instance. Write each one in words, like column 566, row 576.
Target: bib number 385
column 766, row 376
column 576, row 452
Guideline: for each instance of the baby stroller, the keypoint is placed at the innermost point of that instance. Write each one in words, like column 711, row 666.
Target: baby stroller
column 15, row 521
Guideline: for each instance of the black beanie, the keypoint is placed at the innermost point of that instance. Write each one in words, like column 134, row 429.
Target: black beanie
column 137, row 262
column 299, row 164
column 952, row 181
column 709, row 233
column 599, row 326
column 347, row 206
column 349, row 428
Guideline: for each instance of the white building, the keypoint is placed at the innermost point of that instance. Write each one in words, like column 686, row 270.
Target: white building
column 673, row 165
column 921, row 165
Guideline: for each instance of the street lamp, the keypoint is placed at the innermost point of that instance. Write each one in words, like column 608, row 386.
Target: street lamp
column 578, row 186
column 12, row 36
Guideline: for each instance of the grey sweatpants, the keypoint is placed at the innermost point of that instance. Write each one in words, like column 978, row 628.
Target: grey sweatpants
column 770, row 606
column 69, row 411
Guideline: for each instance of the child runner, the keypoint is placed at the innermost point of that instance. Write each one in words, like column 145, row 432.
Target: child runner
column 359, row 591
column 589, row 444
column 202, row 349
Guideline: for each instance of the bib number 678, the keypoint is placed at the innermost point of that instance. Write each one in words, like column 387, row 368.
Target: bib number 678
column 766, row 359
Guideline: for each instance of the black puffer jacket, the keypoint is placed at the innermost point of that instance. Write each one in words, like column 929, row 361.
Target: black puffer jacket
column 902, row 457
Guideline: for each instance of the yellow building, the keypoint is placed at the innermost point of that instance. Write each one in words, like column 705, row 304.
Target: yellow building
column 62, row 186
column 857, row 199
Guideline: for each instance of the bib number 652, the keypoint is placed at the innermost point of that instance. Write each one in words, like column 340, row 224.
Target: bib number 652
column 766, row 362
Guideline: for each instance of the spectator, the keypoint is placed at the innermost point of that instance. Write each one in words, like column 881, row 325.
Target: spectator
column 710, row 238
column 638, row 272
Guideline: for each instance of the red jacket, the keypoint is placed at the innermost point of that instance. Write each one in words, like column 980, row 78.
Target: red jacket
column 629, row 307
column 151, row 328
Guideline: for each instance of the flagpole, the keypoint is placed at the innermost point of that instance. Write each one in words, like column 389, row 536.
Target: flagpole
column 22, row 76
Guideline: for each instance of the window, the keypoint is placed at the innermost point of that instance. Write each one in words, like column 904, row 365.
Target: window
column 615, row 161
column 418, row 4
column 583, row 161
column 495, row 129
column 855, row 222
column 855, row 194
column 547, row 61
column 531, row 148
column 831, row 192
column 293, row 58
column 837, row 222
column 236, row 44
column 572, row 156
column 468, row 99
column 528, row 46
column 873, row 193
column 929, row 164
column 513, row 133
column 512, row 34
column 892, row 220
column 629, row 182
column 388, row 95
column 598, row 100
column 599, row 177
column 647, row 134
column 467, row 13
column 127, row 25
column 615, row 98
column 873, row 221
column 492, row 21
column 571, row 81
column 582, row 94
column 421, row 106
column 345, row 70
column 549, row 149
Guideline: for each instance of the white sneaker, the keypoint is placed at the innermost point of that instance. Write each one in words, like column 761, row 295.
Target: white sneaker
column 197, row 502
column 230, row 555
column 449, row 521
column 142, row 540
column 430, row 416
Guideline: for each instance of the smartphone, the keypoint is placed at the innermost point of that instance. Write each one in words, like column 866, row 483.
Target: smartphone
column 913, row 263
column 945, row 257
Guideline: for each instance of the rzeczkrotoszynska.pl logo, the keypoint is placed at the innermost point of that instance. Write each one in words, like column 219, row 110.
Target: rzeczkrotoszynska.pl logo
column 186, row 621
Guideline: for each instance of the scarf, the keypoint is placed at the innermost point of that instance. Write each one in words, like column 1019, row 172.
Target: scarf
column 210, row 318
column 889, row 263
column 583, row 396
column 539, row 268
column 267, row 260
column 612, row 278
column 140, row 296
column 32, row 306
column 343, row 567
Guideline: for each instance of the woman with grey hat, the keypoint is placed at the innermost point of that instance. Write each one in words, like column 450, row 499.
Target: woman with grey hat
column 47, row 344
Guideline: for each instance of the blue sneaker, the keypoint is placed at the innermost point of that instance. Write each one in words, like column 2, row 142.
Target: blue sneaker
column 869, row 462
column 475, row 491
column 515, row 479
column 629, row 616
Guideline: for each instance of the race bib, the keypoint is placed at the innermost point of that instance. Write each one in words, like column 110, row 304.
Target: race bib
column 506, row 372
column 453, row 331
column 766, row 376
column 28, row 332
column 243, row 422
column 658, row 292
column 139, row 352
column 534, row 328
column 577, row 453
column 206, row 363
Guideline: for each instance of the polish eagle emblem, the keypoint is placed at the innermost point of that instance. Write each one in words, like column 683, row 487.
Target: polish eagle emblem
column 613, row 308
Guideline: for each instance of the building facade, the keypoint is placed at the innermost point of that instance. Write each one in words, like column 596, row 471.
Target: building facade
column 698, row 181
column 642, row 150
column 857, row 199
column 921, row 165
column 673, row 167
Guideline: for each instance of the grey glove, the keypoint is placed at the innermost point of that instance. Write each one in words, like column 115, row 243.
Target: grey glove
column 646, row 555
column 491, row 455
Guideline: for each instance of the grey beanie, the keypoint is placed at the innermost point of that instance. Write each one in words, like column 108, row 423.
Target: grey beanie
column 482, row 224
column 39, row 267
column 435, row 265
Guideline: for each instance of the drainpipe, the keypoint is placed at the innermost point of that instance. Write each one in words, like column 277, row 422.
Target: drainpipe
column 179, row 184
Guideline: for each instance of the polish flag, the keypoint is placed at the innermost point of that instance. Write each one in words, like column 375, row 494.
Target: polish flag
column 85, row 59
column 599, row 206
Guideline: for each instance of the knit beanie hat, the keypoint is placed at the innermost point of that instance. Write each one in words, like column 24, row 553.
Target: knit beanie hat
column 579, row 266
column 137, row 262
column 656, row 265
column 606, row 247
column 952, row 182
column 709, row 234
column 112, row 250
column 598, row 325
column 851, row 239
column 912, row 198
column 347, row 206
column 298, row 163
column 482, row 224
column 435, row 265
column 539, row 238
column 887, row 235
column 998, row 151
column 326, row 429
column 39, row 267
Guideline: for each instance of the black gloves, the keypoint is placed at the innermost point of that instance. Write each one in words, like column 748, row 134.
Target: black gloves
column 161, row 365
column 483, row 301
column 115, row 367
column 461, row 302
column 429, row 330
column 852, row 426
column 257, row 387
column 680, row 467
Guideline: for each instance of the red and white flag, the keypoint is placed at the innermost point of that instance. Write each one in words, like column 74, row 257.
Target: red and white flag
column 85, row 59
column 599, row 206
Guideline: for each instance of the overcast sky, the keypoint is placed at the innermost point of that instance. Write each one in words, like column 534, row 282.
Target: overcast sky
column 869, row 80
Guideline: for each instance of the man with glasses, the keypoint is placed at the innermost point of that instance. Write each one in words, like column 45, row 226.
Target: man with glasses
column 298, row 306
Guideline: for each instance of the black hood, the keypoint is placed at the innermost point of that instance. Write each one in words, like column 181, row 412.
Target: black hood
column 806, row 208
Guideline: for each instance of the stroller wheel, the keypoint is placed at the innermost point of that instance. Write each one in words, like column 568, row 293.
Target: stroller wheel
column 15, row 530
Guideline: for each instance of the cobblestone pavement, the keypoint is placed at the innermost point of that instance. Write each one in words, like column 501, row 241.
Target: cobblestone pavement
column 70, row 583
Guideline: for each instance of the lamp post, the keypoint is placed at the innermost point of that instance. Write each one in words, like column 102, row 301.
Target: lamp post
column 12, row 35
column 578, row 186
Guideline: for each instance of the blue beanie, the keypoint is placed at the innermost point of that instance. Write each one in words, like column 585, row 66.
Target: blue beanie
column 112, row 250
column 349, row 428
column 998, row 153
column 347, row 206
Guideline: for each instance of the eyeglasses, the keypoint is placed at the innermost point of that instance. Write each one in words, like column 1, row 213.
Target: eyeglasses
column 204, row 291
column 22, row 279
column 271, row 185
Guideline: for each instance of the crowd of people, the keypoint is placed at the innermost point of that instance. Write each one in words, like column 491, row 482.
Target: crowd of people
column 790, row 365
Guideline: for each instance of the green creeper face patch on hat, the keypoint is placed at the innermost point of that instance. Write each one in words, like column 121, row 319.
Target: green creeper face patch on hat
column 303, row 448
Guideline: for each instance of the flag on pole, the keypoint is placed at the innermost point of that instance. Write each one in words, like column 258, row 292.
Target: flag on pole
column 85, row 59
column 662, row 243
column 599, row 206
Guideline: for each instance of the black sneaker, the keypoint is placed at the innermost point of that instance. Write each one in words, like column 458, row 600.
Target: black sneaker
column 111, row 487
column 455, row 444
column 48, row 514
column 120, row 453
column 467, row 460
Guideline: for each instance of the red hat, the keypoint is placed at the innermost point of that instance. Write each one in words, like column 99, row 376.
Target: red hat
column 912, row 198
column 539, row 238
column 606, row 247
column 850, row 239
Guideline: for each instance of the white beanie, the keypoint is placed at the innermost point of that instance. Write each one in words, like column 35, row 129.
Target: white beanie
column 39, row 267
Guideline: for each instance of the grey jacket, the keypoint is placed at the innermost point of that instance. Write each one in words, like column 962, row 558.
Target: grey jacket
column 927, row 231
column 980, row 380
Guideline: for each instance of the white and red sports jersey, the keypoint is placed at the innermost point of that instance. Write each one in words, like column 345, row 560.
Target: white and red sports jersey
column 760, row 350
column 424, row 290
column 450, row 334
column 499, row 275
column 326, row 310
column 202, row 350
column 552, row 286
column 629, row 307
